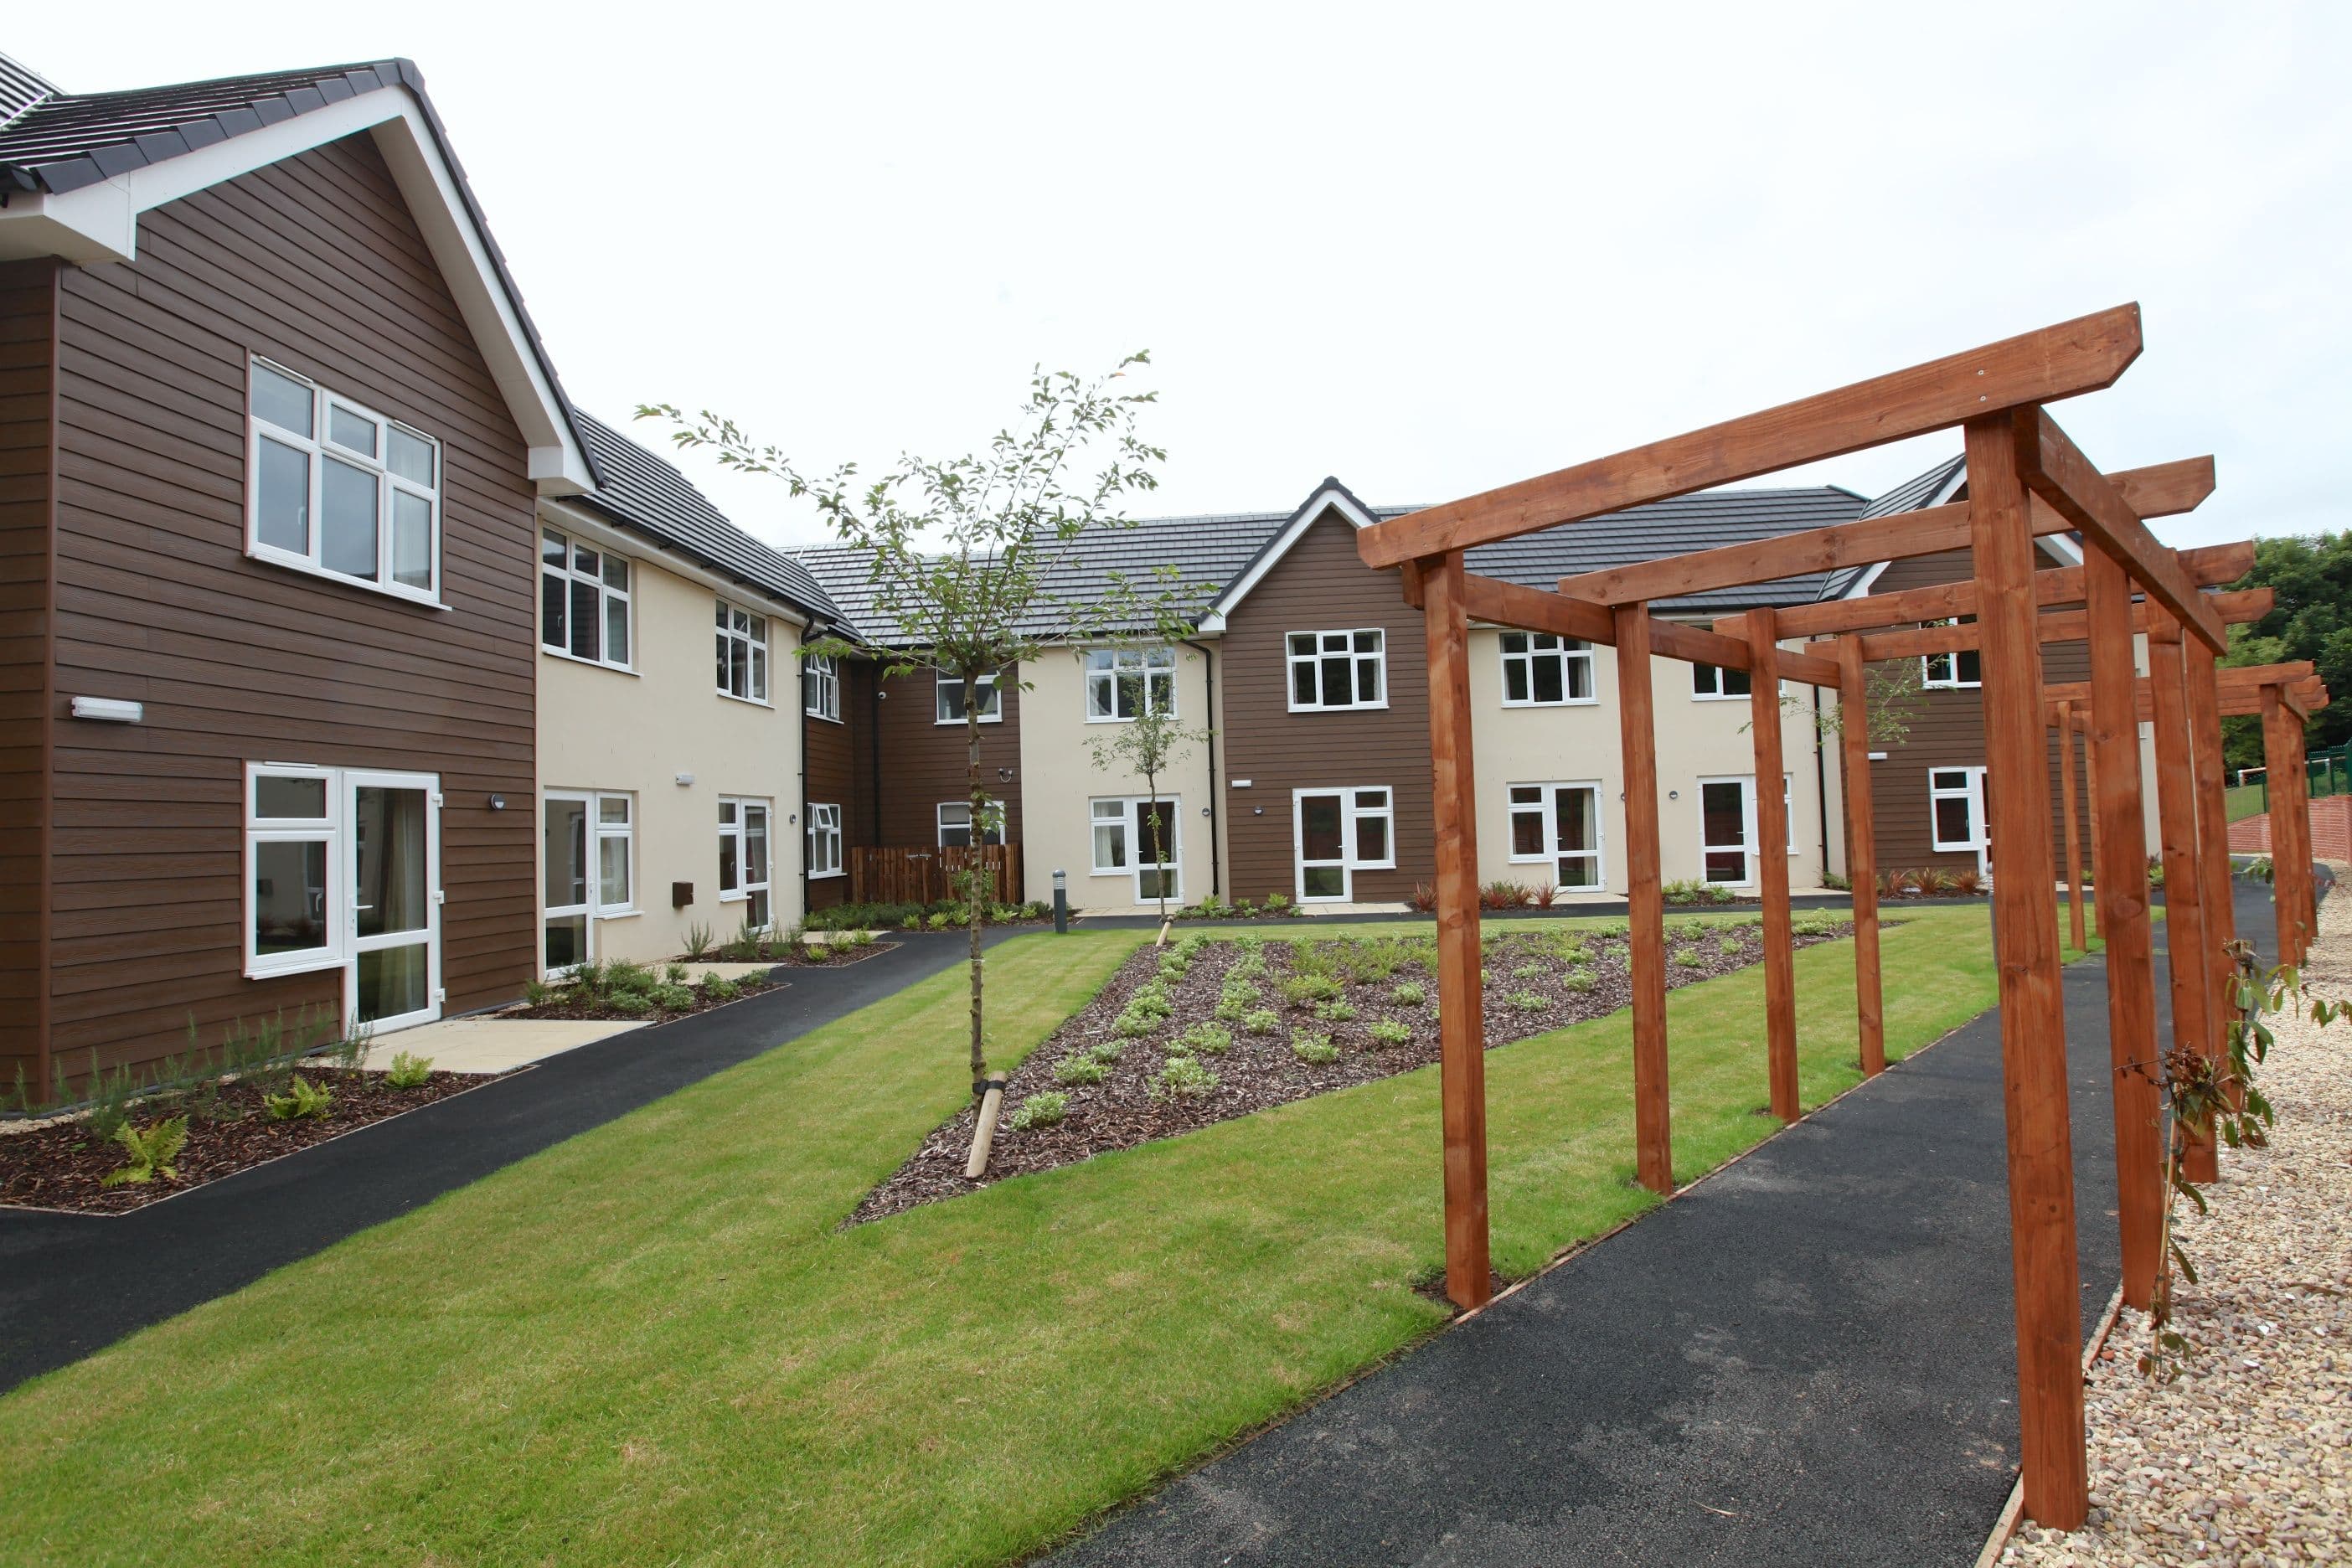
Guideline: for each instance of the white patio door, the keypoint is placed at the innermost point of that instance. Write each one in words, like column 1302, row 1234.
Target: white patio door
column 1320, row 828
column 1560, row 824
column 394, row 974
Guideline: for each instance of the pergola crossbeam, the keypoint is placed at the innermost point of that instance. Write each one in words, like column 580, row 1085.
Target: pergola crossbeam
column 2058, row 362
column 1498, row 603
column 2054, row 468
column 2235, row 606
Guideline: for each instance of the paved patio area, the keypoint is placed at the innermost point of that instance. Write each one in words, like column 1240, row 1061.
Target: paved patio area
column 489, row 1044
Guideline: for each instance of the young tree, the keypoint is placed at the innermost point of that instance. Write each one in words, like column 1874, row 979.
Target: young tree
column 965, row 551
column 1146, row 743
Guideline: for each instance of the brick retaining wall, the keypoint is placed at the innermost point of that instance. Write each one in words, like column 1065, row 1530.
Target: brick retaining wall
column 2331, row 830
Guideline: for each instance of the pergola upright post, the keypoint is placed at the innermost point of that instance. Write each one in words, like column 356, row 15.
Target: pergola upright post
column 2203, row 672
column 1653, row 1154
column 2119, row 841
column 2290, row 826
column 1460, row 1024
column 2042, row 1252
column 1861, row 852
column 1773, row 863
column 2184, row 871
column 2069, row 808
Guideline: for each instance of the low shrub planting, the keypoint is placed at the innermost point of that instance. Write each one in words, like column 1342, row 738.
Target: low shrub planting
column 1183, row 1078
column 1044, row 1110
column 1312, row 1047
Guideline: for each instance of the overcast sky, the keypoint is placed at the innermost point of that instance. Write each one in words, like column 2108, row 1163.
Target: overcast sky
column 1429, row 249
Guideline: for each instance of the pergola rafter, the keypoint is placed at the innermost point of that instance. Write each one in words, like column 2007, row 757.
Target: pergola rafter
column 2026, row 480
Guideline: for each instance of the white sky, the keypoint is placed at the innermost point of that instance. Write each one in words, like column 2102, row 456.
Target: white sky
column 1430, row 249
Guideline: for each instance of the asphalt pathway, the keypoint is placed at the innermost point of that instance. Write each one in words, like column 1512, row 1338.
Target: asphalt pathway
column 72, row 1283
column 1807, row 1359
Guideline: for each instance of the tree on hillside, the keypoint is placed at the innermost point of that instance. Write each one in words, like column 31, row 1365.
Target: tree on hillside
column 964, row 553
column 1148, row 740
column 2313, row 620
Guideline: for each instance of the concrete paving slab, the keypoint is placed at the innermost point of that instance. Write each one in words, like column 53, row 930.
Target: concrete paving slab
column 490, row 1044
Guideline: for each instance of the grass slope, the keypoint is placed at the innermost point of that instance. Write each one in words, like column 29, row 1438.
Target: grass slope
column 651, row 1345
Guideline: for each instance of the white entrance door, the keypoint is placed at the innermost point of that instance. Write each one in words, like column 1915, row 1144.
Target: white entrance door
column 1319, row 826
column 393, row 977
column 1559, row 825
column 1956, row 811
column 1727, row 831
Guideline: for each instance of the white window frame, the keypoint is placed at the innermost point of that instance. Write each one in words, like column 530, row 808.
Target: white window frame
column 1350, row 811
column 1546, row 805
column 327, row 829
column 601, row 830
column 754, row 634
column 821, row 679
column 606, row 595
column 737, row 829
column 1377, row 658
column 1701, row 694
column 1126, row 814
column 1152, row 669
column 1951, row 680
column 824, row 845
column 1569, row 653
column 992, row 822
column 1747, row 845
column 320, row 449
column 993, row 695
column 1971, row 789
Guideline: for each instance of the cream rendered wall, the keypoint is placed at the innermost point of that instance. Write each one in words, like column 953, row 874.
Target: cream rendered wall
column 1059, row 778
column 603, row 729
column 1580, row 744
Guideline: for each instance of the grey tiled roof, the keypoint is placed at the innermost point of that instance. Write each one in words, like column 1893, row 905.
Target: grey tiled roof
column 1700, row 521
column 646, row 492
column 69, row 140
column 1207, row 551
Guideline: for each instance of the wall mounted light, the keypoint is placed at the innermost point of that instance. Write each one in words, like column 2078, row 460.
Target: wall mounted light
column 108, row 710
column 498, row 803
column 686, row 778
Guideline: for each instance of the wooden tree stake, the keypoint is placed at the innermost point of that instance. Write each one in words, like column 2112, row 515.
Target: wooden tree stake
column 2119, row 843
column 1653, row 1154
column 1861, row 853
column 1771, row 851
column 1461, row 1026
column 2032, row 1012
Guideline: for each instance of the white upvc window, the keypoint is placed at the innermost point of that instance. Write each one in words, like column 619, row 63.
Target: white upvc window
column 820, row 686
column 338, row 489
column 616, row 846
column 742, row 654
column 291, row 920
column 1543, row 669
column 948, row 700
column 1956, row 808
column 583, row 600
column 955, row 822
column 1712, row 683
column 1332, row 670
column 1124, row 683
column 744, row 861
column 1337, row 833
column 825, row 841
column 1952, row 671
column 1140, row 837
column 1559, row 825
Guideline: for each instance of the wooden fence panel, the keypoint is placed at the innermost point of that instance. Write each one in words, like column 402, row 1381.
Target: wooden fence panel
column 926, row 876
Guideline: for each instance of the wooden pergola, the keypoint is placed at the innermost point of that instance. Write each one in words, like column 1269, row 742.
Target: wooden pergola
column 2026, row 480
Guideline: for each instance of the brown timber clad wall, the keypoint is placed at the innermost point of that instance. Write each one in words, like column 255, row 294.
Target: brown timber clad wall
column 1950, row 734
column 315, row 262
column 925, row 762
column 1322, row 584
column 27, row 390
column 841, row 772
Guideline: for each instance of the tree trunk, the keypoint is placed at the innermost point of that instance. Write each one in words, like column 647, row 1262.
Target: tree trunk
column 972, row 910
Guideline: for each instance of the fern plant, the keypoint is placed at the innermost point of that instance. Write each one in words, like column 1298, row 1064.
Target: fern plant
column 301, row 1099
column 151, row 1152
column 409, row 1071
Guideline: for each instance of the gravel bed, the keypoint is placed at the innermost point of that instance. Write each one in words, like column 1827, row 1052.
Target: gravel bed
column 2246, row 1459
column 1538, row 981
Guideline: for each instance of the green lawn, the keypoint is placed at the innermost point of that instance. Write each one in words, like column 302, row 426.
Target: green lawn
column 652, row 1345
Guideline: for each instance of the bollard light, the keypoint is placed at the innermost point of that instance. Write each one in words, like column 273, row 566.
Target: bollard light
column 1061, row 902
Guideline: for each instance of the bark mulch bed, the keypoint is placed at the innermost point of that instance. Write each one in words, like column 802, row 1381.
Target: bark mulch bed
column 567, row 1002
column 1537, row 981
column 63, row 1165
column 830, row 954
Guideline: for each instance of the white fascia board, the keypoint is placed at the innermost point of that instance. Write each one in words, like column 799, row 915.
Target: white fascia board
column 1944, row 493
column 100, row 223
column 1213, row 622
column 558, row 513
